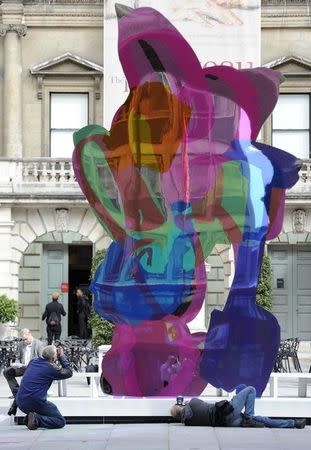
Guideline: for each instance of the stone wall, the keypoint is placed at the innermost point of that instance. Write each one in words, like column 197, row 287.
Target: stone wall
column 33, row 33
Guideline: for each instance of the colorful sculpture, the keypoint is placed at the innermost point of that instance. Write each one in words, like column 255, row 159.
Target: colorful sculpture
column 180, row 171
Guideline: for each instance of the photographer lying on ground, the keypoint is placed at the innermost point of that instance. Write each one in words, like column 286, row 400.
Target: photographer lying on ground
column 229, row 413
column 32, row 393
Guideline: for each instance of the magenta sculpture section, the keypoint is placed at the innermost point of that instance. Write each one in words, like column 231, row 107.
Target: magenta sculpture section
column 179, row 172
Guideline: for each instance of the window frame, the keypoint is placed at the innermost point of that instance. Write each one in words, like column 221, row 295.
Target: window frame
column 297, row 81
column 64, row 86
column 64, row 129
column 308, row 94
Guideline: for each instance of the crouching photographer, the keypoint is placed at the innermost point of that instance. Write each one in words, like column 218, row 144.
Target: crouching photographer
column 32, row 393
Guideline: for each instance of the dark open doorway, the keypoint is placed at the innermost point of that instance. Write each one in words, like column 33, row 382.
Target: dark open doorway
column 80, row 261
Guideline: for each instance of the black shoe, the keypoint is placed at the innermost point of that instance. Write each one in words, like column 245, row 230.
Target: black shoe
column 13, row 410
column 32, row 423
column 300, row 423
column 250, row 422
column 25, row 420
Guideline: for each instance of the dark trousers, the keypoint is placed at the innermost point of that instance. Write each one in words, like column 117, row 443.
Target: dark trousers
column 10, row 374
column 245, row 399
column 53, row 333
column 82, row 318
column 47, row 414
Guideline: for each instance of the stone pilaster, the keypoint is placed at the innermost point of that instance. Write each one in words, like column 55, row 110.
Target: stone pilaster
column 12, row 89
column 8, row 277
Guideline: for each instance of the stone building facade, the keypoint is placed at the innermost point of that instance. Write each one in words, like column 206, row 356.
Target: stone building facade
column 286, row 40
column 51, row 52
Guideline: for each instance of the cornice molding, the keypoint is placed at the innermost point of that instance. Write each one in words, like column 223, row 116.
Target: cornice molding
column 51, row 13
column 291, row 14
column 50, row 69
column 63, row 2
column 290, row 59
column 283, row 3
column 65, row 57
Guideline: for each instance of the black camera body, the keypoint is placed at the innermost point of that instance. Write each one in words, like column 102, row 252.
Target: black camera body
column 62, row 344
column 179, row 400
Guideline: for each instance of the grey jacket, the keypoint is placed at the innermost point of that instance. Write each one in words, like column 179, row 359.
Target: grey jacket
column 36, row 350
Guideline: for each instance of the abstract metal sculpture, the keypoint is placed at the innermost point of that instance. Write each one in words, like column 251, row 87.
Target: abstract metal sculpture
column 179, row 171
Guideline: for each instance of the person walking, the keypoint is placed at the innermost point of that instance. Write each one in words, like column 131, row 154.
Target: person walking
column 32, row 394
column 83, row 310
column 28, row 349
column 52, row 314
column 229, row 413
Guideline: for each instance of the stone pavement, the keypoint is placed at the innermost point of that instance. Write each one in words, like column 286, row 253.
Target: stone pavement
column 148, row 436
column 152, row 437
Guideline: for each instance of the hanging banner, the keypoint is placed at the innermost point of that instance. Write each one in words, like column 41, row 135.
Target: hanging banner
column 221, row 32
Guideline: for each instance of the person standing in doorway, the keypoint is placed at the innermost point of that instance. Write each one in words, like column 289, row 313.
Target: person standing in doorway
column 52, row 314
column 83, row 310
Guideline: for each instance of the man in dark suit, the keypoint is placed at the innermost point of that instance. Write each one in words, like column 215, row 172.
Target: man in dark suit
column 52, row 314
column 28, row 349
column 83, row 310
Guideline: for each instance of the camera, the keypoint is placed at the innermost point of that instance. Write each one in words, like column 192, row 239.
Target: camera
column 59, row 343
column 179, row 400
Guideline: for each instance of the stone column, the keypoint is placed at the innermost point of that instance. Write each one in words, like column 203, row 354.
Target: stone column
column 8, row 278
column 12, row 89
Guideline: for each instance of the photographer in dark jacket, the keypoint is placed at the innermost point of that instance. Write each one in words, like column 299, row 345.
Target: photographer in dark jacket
column 229, row 413
column 32, row 394
column 53, row 312
column 83, row 310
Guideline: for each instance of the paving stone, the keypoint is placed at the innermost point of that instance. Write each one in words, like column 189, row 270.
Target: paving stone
column 146, row 436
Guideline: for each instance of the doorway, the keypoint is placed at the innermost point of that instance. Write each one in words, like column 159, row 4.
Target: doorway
column 55, row 273
column 70, row 265
column 79, row 268
column 291, row 266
